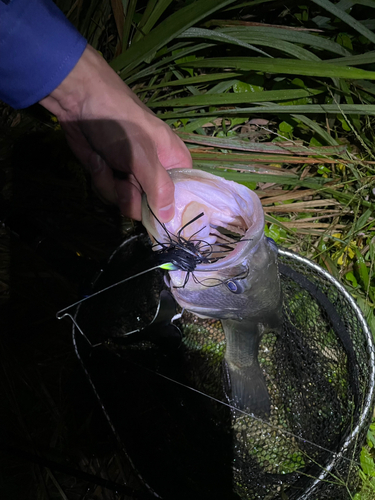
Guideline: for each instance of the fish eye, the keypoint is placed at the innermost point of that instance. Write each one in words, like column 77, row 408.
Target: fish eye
column 235, row 286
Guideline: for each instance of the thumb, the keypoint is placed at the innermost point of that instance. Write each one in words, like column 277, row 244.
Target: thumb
column 159, row 189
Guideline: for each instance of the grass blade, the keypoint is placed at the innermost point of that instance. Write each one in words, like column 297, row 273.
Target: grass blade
column 128, row 24
column 241, row 160
column 341, row 14
column 252, row 3
column 264, row 147
column 291, row 49
column 357, row 60
column 150, row 70
column 195, row 124
column 192, row 80
column 152, row 13
column 240, row 98
column 261, row 177
column 219, row 37
column 161, row 6
column 317, row 129
column 283, row 66
column 165, row 32
column 247, row 33
column 118, row 14
column 359, row 109
column 146, row 14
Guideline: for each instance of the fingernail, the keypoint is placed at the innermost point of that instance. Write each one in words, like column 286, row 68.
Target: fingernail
column 166, row 213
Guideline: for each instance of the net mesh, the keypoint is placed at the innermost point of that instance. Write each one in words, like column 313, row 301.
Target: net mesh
column 318, row 373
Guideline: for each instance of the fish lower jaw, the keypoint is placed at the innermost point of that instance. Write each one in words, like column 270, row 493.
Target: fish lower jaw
column 201, row 312
column 205, row 312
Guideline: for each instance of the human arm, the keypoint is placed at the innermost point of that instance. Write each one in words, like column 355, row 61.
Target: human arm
column 110, row 129
column 43, row 58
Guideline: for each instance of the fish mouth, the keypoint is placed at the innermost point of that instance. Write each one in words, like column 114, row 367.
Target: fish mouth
column 204, row 304
column 216, row 221
column 201, row 312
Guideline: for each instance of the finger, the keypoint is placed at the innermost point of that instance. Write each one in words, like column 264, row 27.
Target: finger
column 102, row 178
column 174, row 153
column 161, row 198
column 159, row 188
column 129, row 197
column 152, row 177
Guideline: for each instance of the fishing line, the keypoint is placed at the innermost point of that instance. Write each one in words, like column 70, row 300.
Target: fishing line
column 62, row 313
column 59, row 315
column 244, row 413
column 182, row 254
column 167, row 266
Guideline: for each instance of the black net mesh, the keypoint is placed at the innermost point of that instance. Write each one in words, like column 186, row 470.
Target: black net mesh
column 165, row 397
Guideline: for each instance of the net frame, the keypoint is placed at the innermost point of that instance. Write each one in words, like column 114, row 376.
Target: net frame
column 339, row 460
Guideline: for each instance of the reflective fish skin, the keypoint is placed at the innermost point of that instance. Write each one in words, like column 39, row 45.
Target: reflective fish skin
column 241, row 288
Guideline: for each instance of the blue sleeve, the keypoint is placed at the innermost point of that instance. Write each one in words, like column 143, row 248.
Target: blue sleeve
column 38, row 49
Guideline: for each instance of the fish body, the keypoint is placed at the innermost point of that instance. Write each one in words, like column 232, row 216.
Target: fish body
column 237, row 281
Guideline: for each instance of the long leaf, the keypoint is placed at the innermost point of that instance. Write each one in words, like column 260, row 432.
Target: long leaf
column 96, row 22
column 291, row 49
column 86, row 26
column 317, row 129
column 193, row 90
column 347, row 4
column 128, row 24
column 222, row 87
column 247, row 158
column 118, row 14
column 359, row 109
column 151, row 70
column 248, row 33
column 195, row 124
column 283, row 66
column 264, row 147
column 240, row 98
column 357, row 60
column 219, row 37
column 165, row 32
column 252, row 3
column 341, row 14
column 161, row 6
column 146, row 15
column 151, row 17
column 261, row 177
column 214, row 77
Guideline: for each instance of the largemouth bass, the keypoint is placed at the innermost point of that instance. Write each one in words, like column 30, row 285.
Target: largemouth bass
column 228, row 271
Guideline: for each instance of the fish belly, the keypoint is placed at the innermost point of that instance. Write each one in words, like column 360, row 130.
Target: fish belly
column 245, row 383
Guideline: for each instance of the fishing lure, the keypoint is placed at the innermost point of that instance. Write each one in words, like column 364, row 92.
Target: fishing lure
column 177, row 254
column 184, row 254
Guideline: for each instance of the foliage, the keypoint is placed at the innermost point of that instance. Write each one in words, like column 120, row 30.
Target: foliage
column 279, row 97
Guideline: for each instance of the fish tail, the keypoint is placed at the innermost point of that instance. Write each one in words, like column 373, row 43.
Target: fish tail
column 247, row 390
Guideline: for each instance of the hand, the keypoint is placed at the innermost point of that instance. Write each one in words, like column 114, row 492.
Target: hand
column 109, row 129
